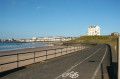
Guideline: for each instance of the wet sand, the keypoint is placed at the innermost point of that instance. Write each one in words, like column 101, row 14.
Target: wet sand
column 30, row 50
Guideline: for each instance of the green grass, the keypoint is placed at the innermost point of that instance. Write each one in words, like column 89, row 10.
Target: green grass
column 111, row 40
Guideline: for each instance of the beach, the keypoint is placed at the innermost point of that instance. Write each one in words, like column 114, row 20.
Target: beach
column 30, row 54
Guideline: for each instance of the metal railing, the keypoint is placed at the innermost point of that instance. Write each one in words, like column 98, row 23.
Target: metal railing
column 21, row 57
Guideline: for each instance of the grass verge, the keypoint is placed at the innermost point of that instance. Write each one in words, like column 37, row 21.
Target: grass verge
column 111, row 40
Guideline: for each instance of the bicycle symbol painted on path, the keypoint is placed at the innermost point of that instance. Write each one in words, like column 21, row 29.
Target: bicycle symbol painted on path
column 71, row 74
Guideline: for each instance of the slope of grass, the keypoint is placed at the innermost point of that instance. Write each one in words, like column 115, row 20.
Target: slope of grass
column 111, row 40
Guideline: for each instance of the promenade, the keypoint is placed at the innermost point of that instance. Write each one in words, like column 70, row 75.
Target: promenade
column 89, row 63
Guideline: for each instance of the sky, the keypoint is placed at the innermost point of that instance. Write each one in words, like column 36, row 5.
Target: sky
column 24, row 19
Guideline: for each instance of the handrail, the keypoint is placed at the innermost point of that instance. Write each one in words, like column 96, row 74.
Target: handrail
column 18, row 60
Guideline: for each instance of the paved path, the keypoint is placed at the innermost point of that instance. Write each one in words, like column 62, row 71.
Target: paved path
column 86, row 64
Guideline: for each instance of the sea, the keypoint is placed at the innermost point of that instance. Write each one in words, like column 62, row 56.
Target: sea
column 17, row 46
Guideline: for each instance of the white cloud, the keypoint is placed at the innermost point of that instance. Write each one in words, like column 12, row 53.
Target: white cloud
column 38, row 7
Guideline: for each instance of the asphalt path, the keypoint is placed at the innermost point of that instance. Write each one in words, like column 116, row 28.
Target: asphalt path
column 87, row 64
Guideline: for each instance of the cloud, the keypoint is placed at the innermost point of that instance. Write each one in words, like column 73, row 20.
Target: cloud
column 39, row 7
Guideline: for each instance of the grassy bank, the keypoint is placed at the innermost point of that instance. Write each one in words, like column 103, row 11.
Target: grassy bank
column 111, row 40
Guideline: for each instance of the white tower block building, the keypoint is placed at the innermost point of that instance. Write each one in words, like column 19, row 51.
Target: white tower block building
column 93, row 31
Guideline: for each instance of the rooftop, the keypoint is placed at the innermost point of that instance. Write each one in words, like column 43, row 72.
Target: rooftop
column 93, row 26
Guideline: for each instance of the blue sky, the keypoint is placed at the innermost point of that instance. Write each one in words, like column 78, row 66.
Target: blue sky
column 37, row 18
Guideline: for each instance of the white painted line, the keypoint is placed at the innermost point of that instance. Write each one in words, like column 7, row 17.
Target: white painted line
column 71, row 74
column 99, row 64
column 77, row 64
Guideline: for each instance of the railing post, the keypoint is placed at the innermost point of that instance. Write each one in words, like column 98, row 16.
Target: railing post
column 70, row 49
column 119, row 57
column 77, row 48
column 17, row 60
column 55, row 52
column 46, row 54
column 61, row 51
column 66, row 50
column 74, row 48
column 34, row 57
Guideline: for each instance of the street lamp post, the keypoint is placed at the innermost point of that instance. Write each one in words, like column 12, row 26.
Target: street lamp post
column 119, row 57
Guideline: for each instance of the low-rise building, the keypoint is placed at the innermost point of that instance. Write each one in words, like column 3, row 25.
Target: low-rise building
column 11, row 39
column 45, row 39
column 115, row 34
column 54, row 38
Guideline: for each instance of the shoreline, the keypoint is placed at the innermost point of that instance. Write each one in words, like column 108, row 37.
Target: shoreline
column 30, row 49
column 45, row 44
